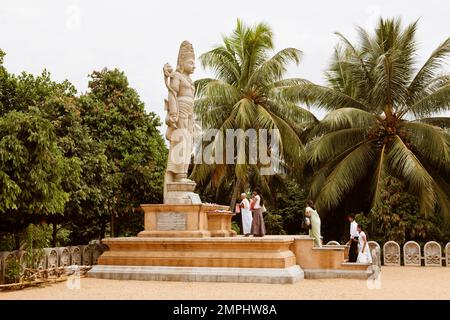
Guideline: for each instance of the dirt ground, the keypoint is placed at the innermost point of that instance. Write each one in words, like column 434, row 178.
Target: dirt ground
column 396, row 283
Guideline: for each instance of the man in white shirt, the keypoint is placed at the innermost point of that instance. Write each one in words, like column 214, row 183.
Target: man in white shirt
column 353, row 252
column 246, row 215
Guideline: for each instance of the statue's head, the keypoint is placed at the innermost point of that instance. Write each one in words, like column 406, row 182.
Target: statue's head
column 186, row 58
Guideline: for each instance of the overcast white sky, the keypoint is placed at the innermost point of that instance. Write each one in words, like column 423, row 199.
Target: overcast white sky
column 72, row 38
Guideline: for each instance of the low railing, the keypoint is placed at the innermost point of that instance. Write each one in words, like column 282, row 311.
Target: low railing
column 84, row 255
column 410, row 254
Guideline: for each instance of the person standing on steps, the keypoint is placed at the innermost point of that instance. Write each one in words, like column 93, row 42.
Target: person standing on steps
column 354, row 236
column 258, row 227
column 364, row 255
column 246, row 215
column 314, row 220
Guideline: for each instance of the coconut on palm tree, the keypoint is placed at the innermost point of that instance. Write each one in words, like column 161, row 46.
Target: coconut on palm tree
column 381, row 122
column 248, row 73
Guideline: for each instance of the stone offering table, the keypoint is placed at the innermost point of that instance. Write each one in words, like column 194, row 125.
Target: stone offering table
column 219, row 223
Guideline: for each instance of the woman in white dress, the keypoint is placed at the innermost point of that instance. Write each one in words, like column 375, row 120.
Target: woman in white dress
column 364, row 255
column 246, row 215
column 314, row 220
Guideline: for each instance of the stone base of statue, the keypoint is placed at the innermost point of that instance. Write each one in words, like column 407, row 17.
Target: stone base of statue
column 269, row 259
column 186, row 221
column 181, row 193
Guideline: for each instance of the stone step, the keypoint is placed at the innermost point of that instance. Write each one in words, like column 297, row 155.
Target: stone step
column 337, row 273
column 238, row 275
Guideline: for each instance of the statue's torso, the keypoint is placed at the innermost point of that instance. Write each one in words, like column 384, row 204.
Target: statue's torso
column 186, row 88
column 185, row 98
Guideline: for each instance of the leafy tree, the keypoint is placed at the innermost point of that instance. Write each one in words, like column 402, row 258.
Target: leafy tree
column 245, row 95
column 290, row 203
column 134, row 148
column 398, row 218
column 31, row 171
column 90, row 190
column 381, row 120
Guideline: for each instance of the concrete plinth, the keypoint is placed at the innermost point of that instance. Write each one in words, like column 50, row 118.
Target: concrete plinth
column 186, row 221
column 254, row 275
column 181, row 193
column 270, row 259
column 230, row 252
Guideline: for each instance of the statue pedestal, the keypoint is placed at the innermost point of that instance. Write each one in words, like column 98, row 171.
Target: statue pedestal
column 181, row 193
column 186, row 221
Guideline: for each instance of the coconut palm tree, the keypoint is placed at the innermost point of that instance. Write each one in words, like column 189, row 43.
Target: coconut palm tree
column 242, row 97
column 380, row 122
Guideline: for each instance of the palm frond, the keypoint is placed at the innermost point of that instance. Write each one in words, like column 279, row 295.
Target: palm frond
column 200, row 85
column 405, row 165
column 442, row 122
column 328, row 146
column 348, row 118
column 288, row 82
column 380, row 174
column 363, row 65
column 322, row 97
column 223, row 63
column 430, row 142
column 432, row 103
column 273, row 69
column 346, row 175
column 429, row 70
column 246, row 114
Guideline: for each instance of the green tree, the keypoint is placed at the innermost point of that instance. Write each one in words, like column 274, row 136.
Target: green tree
column 246, row 95
column 399, row 219
column 134, row 148
column 290, row 204
column 31, row 171
column 90, row 190
column 381, row 120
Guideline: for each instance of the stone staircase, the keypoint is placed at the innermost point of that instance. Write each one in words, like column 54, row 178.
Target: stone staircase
column 329, row 261
column 271, row 259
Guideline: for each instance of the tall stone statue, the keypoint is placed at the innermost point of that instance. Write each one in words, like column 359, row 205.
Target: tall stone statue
column 180, row 125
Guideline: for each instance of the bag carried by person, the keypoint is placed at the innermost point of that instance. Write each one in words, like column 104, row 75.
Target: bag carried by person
column 306, row 223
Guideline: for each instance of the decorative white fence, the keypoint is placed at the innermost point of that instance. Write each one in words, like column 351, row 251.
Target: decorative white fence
column 85, row 255
column 411, row 255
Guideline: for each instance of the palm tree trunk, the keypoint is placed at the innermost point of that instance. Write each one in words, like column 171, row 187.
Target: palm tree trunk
column 236, row 190
column 388, row 111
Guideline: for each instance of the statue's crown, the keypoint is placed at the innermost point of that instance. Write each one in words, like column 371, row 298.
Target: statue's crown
column 186, row 52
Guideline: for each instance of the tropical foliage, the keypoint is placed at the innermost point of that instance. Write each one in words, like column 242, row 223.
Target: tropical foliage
column 78, row 165
column 380, row 123
column 398, row 218
column 243, row 97
column 75, row 162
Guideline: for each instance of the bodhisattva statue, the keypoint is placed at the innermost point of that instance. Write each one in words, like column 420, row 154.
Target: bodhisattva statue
column 180, row 114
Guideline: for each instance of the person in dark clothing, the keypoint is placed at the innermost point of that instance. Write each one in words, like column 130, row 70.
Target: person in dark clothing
column 353, row 252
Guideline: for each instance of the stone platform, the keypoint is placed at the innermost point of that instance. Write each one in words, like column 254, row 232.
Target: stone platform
column 270, row 259
column 236, row 252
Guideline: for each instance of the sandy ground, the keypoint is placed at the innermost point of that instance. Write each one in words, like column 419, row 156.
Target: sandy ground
column 396, row 283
